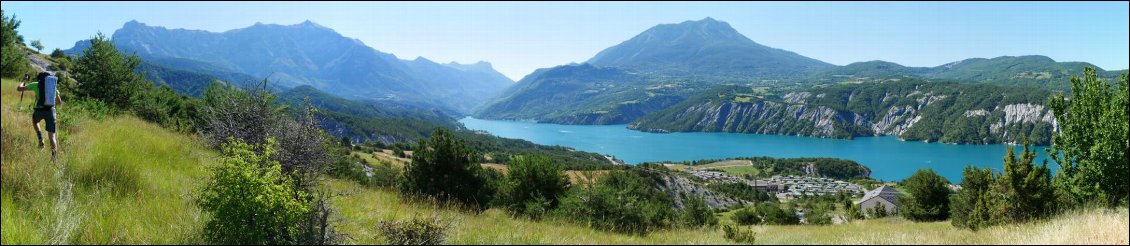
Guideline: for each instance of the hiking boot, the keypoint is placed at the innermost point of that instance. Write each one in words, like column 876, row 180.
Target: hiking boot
column 40, row 145
column 54, row 155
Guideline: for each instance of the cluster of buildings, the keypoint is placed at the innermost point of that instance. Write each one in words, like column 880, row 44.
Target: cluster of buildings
column 786, row 187
column 798, row 186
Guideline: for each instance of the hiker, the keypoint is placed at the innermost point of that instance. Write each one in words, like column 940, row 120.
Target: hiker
column 44, row 110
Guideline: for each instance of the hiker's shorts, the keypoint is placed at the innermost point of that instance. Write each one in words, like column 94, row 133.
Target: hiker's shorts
column 47, row 114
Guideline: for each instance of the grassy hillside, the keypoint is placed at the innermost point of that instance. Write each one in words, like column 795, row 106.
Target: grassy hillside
column 118, row 180
column 364, row 207
column 121, row 180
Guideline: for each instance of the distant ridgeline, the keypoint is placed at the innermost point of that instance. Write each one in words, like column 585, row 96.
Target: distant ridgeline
column 914, row 110
column 306, row 54
column 668, row 78
column 359, row 92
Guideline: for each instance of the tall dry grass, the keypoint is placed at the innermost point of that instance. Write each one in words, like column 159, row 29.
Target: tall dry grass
column 119, row 180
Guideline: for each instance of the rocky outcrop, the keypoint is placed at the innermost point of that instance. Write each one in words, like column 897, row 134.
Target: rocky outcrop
column 887, row 113
column 764, row 117
column 1023, row 113
column 978, row 112
column 680, row 187
column 896, row 121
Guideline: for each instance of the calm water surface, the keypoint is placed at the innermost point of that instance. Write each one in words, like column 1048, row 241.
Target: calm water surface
column 888, row 158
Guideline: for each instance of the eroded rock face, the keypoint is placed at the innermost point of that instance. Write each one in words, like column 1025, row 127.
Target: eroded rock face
column 978, row 112
column 897, row 120
column 796, row 97
column 1023, row 113
column 678, row 187
column 797, row 113
column 767, row 117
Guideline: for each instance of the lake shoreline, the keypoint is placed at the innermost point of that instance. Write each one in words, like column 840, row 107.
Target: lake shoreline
column 888, row 157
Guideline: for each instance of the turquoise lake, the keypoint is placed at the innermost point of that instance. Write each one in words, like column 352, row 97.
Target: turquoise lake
column 888, row 158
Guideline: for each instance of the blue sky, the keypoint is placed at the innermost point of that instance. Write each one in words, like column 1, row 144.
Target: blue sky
column 520, row 37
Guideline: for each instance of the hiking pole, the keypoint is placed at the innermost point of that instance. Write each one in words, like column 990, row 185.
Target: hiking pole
column 22, row 82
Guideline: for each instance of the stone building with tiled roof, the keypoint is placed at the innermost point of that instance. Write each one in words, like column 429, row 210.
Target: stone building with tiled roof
column 884, row 197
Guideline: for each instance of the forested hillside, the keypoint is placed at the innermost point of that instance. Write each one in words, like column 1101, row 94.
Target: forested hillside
column 914, row 110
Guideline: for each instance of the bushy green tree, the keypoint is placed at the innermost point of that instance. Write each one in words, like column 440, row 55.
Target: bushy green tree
column 741, row 191
column 12, row 60
column 534, row 186
column 854, row 212
column 696, row 213
column 739, row 234
column 1091, row 146
column 37, row 45
column 1021, row 193
column 820, row 214
column 622, row 201
column 772, row 214
column 928, row 199
column 167, row 108
column 745, row 216
column 443, row 167
column 251, row 116
column 250, row 199
column 58, row 54
column 975, row 184
column 103, row 73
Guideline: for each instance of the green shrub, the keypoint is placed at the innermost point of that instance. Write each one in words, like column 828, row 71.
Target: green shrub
column 771, row 214
column 697, row 213
column 854, row 212
column 444, row 168
column 1021, row 193
column 625, row 201
column 879, row 211
column 417, row 231
column 533, row 186
column 384, row 175
column 928, row 199
column 745, row 216
column 251, row 201
column 818, row 217
column 741, row 191
column 738, row 234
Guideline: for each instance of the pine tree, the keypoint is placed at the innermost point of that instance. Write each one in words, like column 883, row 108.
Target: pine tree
column 105, row 74
column 1027, row 188
column 928, row 199
column 534, row 185
column 445, row 168
column 975, row 184
column 12, row 60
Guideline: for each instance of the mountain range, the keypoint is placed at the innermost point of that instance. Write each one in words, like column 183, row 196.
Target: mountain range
column 669, row 63
column 314, row 55
column 666, row 78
